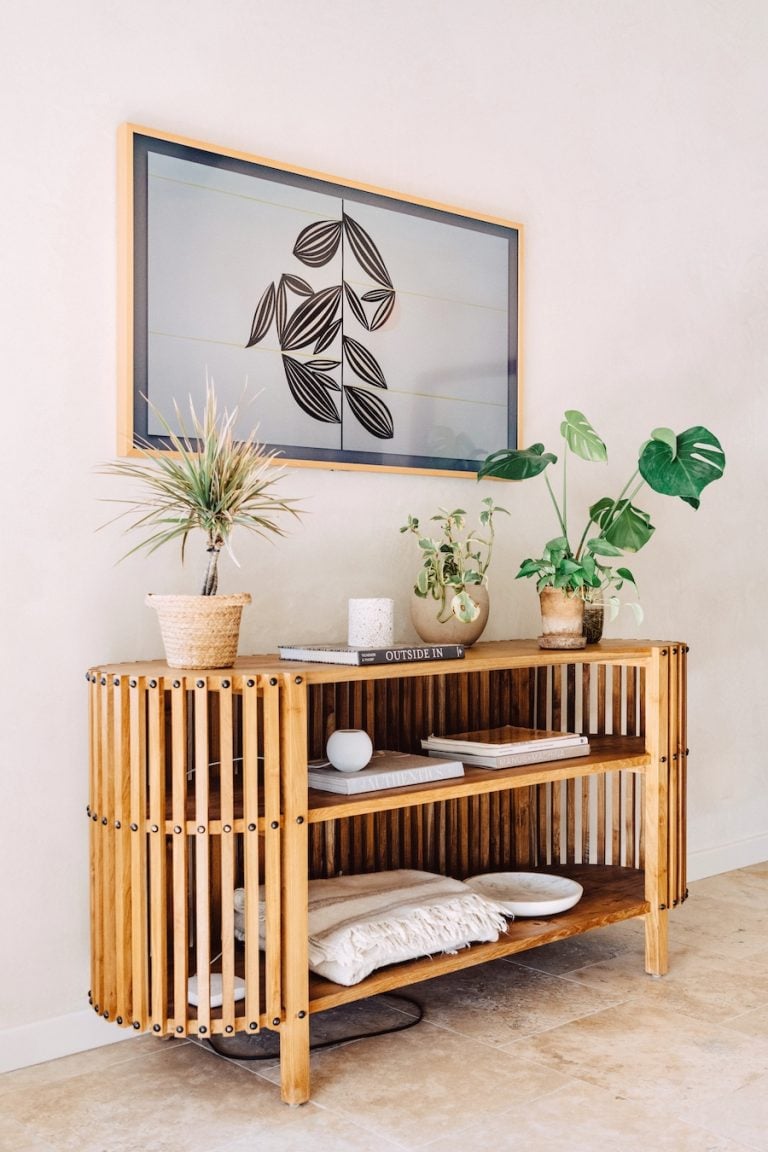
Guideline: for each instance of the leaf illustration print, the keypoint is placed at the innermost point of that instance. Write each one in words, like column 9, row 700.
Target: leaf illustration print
column 319, row 319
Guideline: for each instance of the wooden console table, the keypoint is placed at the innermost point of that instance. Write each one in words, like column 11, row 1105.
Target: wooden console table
column 199, row 786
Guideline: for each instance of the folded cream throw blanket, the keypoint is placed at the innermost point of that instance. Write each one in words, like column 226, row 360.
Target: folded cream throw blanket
column 360, row 923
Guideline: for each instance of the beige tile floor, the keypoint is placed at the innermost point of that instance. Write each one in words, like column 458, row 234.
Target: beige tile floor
column 568, row 1047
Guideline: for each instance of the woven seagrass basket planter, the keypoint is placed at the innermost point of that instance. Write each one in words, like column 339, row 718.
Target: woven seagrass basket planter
column 199, row 631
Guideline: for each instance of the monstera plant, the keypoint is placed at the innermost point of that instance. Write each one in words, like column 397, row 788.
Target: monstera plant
column 584, row 564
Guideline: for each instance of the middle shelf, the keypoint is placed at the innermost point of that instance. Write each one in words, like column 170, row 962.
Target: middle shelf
column 608, row 754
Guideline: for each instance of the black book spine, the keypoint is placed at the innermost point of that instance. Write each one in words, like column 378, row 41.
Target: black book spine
column 412, row 655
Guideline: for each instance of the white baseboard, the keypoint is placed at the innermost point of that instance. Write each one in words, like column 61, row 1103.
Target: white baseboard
column 59, row 1036
column 727, row 857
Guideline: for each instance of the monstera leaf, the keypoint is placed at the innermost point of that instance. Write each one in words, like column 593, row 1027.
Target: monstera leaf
column 581, row 437
column 681, row 465
column 516, row 463
column 623, row 526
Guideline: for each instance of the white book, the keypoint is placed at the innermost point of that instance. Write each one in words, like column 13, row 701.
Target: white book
column 517, row 759
column 386, row 770
column 503, row 740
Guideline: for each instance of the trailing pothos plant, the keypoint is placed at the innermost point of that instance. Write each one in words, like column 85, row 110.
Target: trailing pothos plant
column 679, row 465
column 456, row 561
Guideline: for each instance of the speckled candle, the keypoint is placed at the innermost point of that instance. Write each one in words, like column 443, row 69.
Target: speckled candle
column 371, row 623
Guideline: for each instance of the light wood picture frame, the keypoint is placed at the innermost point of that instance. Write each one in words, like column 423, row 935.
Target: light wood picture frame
column 376, row 331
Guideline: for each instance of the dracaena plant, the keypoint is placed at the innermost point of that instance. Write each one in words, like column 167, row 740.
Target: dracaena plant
column 455, row 561
column 679, row 465
column 208, row 481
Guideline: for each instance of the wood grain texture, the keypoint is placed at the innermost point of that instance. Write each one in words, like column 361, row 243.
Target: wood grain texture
column 198, row 786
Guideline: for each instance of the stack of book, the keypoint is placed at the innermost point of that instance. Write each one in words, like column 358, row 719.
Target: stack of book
column 386, row 770
column 508, row 746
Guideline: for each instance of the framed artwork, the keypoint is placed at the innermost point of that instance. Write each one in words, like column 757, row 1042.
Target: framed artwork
column 375, row 331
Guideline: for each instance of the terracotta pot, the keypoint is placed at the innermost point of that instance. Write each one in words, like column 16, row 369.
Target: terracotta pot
column 562, row 619
column 429, row 628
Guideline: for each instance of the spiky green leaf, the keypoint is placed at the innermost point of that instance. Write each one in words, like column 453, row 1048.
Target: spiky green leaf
column 209, row 481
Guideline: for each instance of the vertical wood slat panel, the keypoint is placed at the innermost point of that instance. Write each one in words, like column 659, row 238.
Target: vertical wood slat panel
column 615, row 777
column 673, row 862
column 587, row 791
column 273, row 870
column 158, row 884
column 570, row 698
column 571, row 821
column 677, row 775
column 633, row 729
column 543, row 719
column 572, row 827
column 122, row 833
column 138, row 851
column 97, row 869
column 521, row 827
column 227, row 852
column 179, row 854
column 106, row 826
column 657, row 807
column 251, row 870
column 482, row 824
column 682, row 891
column 601, row 798
column 202, row 905
column 294, row 1028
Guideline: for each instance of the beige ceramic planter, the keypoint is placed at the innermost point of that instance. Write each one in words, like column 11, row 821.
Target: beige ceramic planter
column 424, row 615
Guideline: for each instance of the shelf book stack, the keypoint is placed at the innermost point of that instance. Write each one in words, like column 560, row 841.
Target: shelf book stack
column 508, row 746
column 349, row 654
column 386, row 770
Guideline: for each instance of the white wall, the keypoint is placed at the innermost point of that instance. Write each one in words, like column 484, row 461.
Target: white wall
column 629, row 136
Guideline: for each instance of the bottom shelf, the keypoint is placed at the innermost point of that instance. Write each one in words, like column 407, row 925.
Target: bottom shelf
column 610, row 894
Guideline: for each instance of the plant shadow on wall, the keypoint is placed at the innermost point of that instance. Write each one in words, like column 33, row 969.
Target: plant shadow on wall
column 679, row 465
column 318, row 321
column 206, row 481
